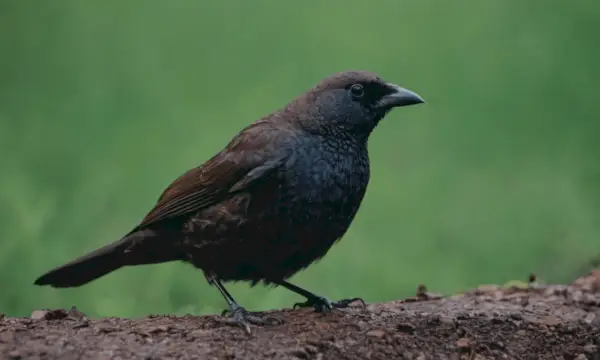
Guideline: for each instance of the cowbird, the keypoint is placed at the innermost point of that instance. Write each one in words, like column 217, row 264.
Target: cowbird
column 274, row 200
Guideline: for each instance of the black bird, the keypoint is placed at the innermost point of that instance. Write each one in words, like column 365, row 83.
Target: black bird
column 273, row 201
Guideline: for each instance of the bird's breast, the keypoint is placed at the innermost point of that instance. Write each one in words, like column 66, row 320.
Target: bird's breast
column 323, row 187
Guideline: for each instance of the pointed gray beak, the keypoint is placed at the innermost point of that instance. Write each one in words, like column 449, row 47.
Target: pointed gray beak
column 399, row 97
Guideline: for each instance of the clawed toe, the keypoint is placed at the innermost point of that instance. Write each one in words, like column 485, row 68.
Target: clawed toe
column 242, row 318
column 300, row 305
column 274, row 320
column 322, row 304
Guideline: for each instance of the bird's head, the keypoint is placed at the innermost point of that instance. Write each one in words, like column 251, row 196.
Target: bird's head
column 352, row 102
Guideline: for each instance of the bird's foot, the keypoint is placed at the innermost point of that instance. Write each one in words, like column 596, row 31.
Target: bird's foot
column 323, row 304
column 242, row 318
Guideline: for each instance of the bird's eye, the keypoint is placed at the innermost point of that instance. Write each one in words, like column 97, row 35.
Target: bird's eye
column 357, row 91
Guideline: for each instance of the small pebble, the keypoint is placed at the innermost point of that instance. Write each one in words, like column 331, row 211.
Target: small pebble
column 590, row 349
column 376, row 334
column 463, row 344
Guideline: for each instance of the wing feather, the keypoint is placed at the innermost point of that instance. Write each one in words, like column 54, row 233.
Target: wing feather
column 247, row 158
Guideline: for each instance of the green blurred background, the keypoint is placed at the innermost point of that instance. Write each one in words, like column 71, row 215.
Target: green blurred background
column 103, row 103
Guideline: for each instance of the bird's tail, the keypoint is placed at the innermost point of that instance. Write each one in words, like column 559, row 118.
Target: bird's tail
column 86, row 268
column 100, row 262
column 136, row 248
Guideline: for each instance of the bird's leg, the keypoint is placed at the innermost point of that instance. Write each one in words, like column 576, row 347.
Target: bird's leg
column 320, row 303
column 240, row 316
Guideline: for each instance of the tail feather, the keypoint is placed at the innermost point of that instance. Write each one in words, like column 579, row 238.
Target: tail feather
column 137, row 248
column 86, row 268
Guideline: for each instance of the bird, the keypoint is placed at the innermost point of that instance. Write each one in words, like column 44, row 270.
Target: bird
column 273, row 201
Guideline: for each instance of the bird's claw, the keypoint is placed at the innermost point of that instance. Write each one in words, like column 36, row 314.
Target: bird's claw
column 242, row 318
column 323, row 304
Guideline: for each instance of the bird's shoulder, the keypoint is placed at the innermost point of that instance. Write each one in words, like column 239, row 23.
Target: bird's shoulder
column 250, row 148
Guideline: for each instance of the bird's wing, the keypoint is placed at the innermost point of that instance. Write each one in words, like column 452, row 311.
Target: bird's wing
column 251, row 155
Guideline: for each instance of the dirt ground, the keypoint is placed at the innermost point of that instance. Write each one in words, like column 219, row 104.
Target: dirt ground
column 490, row 322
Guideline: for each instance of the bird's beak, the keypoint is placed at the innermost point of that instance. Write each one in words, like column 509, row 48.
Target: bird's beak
column 399, row 97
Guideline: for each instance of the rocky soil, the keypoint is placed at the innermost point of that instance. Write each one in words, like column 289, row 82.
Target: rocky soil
column 490, row 322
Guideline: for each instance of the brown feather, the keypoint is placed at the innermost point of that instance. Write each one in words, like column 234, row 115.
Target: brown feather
column 234, row 168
